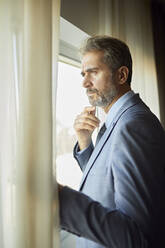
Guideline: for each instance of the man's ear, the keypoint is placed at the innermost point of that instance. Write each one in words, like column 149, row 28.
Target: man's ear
column 123, row 74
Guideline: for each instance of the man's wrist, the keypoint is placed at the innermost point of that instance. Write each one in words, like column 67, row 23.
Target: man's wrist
column 84, row 145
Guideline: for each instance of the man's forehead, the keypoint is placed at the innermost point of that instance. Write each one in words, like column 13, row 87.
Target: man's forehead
column 92, row 59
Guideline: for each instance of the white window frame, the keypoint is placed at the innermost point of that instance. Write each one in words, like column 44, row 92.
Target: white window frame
column 71, row 38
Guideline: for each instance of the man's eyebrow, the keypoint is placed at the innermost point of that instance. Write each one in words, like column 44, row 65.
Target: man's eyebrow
column 89, row 70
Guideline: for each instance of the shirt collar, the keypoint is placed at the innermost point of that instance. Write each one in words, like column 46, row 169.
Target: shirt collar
column 116, row 106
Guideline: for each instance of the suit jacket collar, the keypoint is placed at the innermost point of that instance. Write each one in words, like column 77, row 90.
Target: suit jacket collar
column 135, row 99
column 117, row 106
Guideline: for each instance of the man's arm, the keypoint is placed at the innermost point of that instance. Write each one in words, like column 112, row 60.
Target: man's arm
column 84, row 125
column 84, row 217
column 82, row 157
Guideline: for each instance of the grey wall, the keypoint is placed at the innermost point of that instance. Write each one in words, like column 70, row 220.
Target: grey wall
column 82, row 13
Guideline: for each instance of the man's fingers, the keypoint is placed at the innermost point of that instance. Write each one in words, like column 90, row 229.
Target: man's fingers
column 84, row 126
column 85, row 120
column 88, row 116
column 90, row 110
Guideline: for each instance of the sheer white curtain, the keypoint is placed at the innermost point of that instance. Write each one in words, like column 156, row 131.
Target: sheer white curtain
column 131, row 22
column 28, row 217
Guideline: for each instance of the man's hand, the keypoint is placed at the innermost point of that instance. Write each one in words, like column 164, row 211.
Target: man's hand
column 84, row 125
column 60, row 187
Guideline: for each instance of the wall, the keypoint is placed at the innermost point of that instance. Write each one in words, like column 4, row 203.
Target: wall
column 83, row 14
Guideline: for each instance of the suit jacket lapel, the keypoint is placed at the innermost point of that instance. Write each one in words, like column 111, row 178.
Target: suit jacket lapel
column 96, row 153
column 131, row 102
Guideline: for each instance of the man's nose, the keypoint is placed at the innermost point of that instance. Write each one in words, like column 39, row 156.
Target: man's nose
column 86, row 82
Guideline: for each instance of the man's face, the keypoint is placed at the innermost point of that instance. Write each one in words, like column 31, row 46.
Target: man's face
column 99, row 81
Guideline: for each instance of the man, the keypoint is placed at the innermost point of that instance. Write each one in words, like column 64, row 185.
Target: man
column 122, row 199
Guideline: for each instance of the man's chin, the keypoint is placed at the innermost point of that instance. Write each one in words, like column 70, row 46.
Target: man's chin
column 97, row 103
column 93, row 103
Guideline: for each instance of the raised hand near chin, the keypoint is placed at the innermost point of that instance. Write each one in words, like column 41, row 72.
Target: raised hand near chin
column 84, row 125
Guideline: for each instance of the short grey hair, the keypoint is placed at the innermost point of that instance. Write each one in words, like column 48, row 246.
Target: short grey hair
column 116, row 52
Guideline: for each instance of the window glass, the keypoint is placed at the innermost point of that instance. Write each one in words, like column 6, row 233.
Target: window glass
column 71, row 99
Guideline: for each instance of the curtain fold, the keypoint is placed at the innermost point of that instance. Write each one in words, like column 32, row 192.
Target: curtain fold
column 56, row 6
column 28, row 213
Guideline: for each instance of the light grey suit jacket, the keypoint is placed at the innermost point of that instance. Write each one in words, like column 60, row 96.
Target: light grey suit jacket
column 125, row 172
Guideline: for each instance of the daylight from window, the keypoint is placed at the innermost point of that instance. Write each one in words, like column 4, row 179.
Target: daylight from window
column 71, row 99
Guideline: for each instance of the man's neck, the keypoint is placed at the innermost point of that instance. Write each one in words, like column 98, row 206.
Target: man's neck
column 122, row 91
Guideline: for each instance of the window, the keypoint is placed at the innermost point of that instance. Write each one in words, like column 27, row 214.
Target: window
column 71, row 99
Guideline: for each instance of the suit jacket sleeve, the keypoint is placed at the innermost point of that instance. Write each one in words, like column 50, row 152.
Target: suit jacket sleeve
column 84, row 217
column 82, row 157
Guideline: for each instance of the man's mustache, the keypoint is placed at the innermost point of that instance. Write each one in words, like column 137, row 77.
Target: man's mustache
column 88, row 91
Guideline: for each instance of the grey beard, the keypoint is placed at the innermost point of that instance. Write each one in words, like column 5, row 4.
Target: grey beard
column 104, row 99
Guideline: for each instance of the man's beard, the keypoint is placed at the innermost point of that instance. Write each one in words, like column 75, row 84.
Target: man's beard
column 102, row 99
